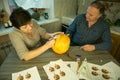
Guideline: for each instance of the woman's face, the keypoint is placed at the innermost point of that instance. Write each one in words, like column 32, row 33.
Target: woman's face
column 92, row 14
column 27, row 28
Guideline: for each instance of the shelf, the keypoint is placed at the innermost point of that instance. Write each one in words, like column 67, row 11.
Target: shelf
column 5, row 31
column 46, row 21
column 115, row 30
column 110, row 0
column 67, row 20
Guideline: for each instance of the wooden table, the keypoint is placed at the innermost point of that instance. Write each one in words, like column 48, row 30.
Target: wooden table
column 12, row 63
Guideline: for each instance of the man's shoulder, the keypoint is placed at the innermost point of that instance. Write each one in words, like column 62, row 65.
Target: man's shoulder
column 81, row 15
column 103, row 22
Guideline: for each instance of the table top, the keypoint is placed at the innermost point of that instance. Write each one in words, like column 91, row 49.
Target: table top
column 13, row 64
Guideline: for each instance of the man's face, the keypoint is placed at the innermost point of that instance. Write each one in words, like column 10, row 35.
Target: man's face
column 92, row 14
column 27, row 28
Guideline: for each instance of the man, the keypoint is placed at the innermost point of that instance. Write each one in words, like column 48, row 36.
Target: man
column 88, row 28
column 27, row 34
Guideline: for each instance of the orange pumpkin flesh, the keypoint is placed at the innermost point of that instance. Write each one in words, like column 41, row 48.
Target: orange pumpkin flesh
column 62, row 44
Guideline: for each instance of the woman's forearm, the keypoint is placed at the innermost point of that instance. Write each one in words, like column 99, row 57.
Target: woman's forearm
column 34, row 53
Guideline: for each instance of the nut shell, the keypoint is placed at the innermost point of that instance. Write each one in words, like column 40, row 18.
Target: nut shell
column 28, row 75
column 94, row 73
column 57, row 66
column 105, row 71
column 62, row 73
column 106, row 76
column 51, row 69
column 20, row 77
column 95, row 68
column 56, row 77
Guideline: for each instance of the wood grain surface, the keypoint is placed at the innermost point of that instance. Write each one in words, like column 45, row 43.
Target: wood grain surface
column 13, row 64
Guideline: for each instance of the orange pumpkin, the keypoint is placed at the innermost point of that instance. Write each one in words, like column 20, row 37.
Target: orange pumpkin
column 62, row 44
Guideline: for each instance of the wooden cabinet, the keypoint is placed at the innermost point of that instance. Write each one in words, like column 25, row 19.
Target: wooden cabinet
column 4, row 47
column 115, row 46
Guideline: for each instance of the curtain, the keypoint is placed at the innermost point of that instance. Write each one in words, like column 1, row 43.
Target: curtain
column 26, row 4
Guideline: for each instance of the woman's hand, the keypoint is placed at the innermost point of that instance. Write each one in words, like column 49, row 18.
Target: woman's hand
column 88, row 47
column 50, row 43
column 55, row 33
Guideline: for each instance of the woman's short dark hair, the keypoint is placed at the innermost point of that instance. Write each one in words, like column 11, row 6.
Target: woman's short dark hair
column 20, row 17
column 98, row 5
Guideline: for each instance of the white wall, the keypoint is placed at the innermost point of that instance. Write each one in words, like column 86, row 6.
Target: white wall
column 1, row 5
column 83, row 5
column 65, row 8
column 6, row 6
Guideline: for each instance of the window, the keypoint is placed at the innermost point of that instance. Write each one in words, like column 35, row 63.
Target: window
column 48, row 5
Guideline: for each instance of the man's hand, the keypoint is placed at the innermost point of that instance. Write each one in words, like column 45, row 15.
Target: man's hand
column 88, row 47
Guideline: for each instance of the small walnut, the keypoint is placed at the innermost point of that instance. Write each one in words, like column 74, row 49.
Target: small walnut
column 51, row 69
column 94, row 73
column 20, row 77
column 105, row 71
column 57, row 66
column 95, row 68
column 62, row 73
column 28, row 75
column 106, row 76
column 56, row 77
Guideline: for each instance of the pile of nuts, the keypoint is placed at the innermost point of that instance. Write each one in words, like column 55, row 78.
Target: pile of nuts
column 57, row 76
column 104, row 72
column 27, row 76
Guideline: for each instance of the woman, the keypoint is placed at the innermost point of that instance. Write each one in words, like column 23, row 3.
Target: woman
column 27, row 34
